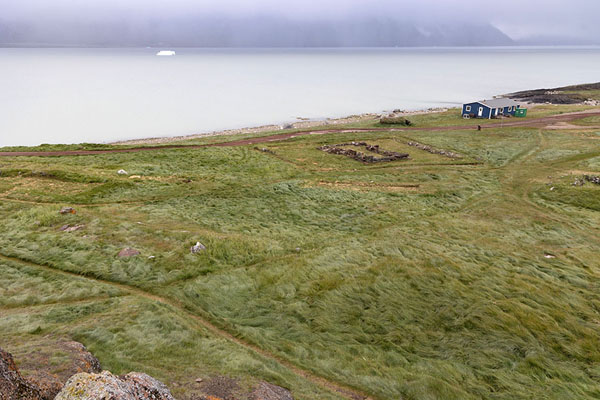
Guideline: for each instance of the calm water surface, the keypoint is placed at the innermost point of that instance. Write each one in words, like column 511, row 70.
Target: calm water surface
column 102, row 95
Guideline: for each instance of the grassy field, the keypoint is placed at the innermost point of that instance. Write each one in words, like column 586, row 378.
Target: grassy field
column 429, row 278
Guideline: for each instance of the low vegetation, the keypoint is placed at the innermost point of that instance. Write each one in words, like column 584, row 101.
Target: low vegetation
column 435, row 277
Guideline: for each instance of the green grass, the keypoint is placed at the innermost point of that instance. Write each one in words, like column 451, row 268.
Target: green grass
column 417, row 279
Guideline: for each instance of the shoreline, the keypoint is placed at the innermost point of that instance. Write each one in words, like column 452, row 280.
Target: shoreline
column 303, row 123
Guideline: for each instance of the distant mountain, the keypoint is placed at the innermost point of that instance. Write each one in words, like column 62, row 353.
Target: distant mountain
column 266, row 31
column 550, row 40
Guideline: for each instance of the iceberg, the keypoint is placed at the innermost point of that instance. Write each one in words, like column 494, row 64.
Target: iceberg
column 166, row 53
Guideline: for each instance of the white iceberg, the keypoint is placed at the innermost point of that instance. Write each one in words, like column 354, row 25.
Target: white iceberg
column 166, row 53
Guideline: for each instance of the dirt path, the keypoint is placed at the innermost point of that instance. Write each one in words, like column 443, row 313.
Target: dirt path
column 337, row 388
column 534, row 122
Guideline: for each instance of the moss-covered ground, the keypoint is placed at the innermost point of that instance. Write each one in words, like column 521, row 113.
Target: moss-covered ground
column 429, row 278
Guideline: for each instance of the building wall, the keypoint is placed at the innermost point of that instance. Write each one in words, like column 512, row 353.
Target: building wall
column 475, row 110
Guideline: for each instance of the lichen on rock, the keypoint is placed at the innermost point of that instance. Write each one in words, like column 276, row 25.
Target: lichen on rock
column 133, row 386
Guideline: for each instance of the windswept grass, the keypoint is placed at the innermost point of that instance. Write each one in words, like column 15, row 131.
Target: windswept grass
column 427, row 278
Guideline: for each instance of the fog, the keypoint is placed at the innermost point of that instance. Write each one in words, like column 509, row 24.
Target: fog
column 270, row 23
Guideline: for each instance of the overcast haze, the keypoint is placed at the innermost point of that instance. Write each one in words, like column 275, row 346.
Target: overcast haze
column 298, row 23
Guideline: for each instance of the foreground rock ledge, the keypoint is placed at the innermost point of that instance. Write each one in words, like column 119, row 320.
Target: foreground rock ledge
column 12, row 384
column 133, row 386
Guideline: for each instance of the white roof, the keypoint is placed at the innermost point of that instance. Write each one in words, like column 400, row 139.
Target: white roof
column 499, row 103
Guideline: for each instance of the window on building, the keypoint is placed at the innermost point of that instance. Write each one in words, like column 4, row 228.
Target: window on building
column 468, row 108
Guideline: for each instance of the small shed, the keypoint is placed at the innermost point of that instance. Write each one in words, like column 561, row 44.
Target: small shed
column 490, row 108
column 521, row 112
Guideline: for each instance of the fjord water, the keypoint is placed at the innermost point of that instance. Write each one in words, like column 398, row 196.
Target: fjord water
column 103, row 95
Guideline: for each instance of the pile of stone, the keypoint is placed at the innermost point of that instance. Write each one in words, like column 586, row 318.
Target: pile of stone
column 595, row 179
column 431, row 150
column 387, row 156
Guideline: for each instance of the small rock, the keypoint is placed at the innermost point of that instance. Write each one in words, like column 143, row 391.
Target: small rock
column 122, row 172
column 151, row 257
column 298, row 249
column 128, row 252
column 199, row 380
column 549, row 255
column 198, row 247
column 135, row 177
column 552, row 188
column 67, row 210
column 69, row 228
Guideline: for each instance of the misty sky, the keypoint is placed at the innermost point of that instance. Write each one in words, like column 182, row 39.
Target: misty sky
column 517, row 18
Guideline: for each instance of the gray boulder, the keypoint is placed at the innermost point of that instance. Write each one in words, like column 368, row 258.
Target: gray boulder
column 133, row 386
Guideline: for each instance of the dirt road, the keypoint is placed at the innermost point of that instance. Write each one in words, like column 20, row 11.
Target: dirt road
column 533, row 122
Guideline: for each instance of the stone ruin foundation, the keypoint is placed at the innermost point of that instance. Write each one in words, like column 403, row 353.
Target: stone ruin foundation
column 386, row 156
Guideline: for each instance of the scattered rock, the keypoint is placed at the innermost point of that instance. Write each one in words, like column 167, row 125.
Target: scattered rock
column 133, row 386
column 135, row 177
column 67, row 210
column 122, row 172
column 592, row 179
column 268, row 391
column 69, row 228
column 198, row 247
column 151, row 257
column 547, row 255
column 12, row 384
column 128, row 252
column 578, row 182
column 199, row 380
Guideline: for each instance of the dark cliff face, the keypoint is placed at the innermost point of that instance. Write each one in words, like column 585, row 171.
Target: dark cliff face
column 12, row 384
column 260, row 31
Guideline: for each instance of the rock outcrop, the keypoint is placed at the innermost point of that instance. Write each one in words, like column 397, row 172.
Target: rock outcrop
column 47, row 379
column 12, row 384
column 268, row 391
column 133, row 386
